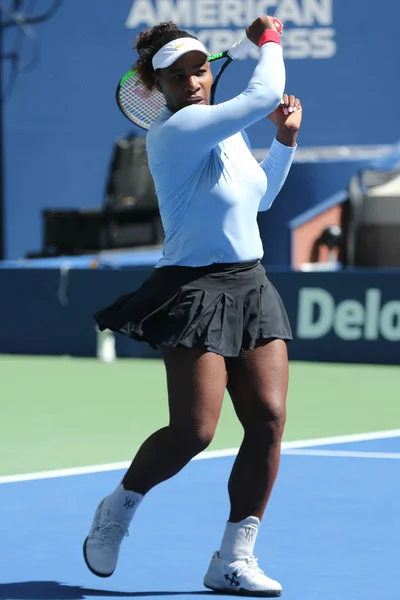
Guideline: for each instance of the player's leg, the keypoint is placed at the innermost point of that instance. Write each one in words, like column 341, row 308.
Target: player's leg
column 196, row 382
column 257, row 383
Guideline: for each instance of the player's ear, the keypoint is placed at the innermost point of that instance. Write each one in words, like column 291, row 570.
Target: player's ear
column 157, row 82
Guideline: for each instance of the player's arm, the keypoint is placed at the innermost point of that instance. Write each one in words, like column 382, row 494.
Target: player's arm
column 201, row 127
column 287, row 118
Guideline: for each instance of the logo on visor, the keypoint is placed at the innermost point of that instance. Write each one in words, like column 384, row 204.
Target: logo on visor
column 179, row 46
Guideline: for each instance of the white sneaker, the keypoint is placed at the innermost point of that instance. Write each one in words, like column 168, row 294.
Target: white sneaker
column 101, row 547
column 242, row 577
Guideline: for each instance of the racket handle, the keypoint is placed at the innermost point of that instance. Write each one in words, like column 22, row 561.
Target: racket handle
column 242, row 48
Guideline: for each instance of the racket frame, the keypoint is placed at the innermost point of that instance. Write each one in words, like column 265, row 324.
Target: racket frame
column 240, row 49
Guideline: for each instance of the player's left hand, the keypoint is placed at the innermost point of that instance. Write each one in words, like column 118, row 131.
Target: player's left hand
column 288, row 115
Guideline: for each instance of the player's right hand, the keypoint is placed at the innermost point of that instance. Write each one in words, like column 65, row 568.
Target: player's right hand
column 257, row 28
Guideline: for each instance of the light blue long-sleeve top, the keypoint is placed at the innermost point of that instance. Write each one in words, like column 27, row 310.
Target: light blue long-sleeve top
column 209, row 185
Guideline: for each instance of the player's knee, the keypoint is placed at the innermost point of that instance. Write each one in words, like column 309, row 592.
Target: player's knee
column 275, row 424
column 268, row 422
column 202, row 437
column 195, row 440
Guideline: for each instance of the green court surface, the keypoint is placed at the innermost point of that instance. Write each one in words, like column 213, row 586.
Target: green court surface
column 65, row 412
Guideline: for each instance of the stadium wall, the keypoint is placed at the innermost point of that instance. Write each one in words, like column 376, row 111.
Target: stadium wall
column 349, row 316
column 61, row 120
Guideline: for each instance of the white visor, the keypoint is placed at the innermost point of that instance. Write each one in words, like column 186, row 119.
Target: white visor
column 169, row 53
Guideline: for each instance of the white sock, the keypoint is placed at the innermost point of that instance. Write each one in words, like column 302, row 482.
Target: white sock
column 239, row 539
column 123, row 504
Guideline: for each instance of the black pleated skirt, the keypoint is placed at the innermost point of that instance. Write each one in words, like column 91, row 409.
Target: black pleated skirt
column 224, row 308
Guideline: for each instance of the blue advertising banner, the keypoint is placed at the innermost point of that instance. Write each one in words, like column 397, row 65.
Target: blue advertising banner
column 61, row 120
column 349, row 316
column 342, row 75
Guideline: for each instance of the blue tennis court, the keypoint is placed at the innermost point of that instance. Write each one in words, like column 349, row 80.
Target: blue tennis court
column 331, row 529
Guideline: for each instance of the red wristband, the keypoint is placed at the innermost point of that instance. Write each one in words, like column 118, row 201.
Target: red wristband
column 269, row 36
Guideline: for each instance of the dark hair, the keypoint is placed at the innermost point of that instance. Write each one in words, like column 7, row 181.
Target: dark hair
column 149, row 42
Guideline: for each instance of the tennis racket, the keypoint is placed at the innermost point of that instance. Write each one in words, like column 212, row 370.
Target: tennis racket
column 142, row 106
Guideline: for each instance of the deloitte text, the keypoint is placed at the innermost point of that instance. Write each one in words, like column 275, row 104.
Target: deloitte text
column 309, row 31
column 320, row 314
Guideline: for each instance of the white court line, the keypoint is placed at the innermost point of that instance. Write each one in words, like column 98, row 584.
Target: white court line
column 340, row 439
column 344, row 454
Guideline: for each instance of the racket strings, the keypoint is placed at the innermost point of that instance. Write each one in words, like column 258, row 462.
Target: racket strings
column 143, row 106
column 140, row 105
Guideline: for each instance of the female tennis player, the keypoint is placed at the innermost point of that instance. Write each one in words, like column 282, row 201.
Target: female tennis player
column 208, row 306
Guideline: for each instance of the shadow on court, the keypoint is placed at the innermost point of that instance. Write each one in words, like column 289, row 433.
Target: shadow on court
column 53, row 590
